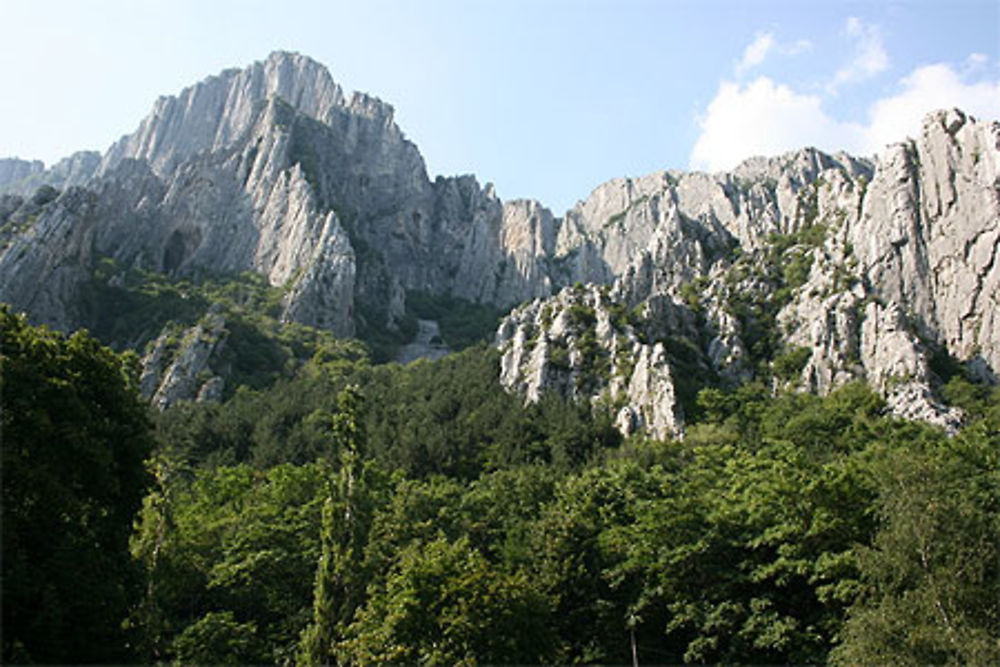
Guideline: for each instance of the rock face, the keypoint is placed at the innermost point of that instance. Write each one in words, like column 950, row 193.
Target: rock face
column 807, row 269
column 427, row 344
column 582, row 343
column 20, row 177
column 177, row 366
column 13, row 170
column 823, row 269
column 49, row 237
column 930, row 233
column 274, row 169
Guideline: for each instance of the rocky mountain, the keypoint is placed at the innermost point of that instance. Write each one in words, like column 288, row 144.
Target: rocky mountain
column 274, row 169
column 14, row 170
column 810, row 270
column 21, row 177
column 807, row 270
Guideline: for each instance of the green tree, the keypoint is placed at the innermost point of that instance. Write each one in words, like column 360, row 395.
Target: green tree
column 229, row 540
column 342, row 536
column 444, row 604
column 743, row 550
column 582, row 541
column 932, row 575
column 217, row 639
column 75, row 435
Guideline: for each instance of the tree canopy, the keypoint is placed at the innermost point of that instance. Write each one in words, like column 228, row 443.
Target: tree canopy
column 358, row 513
column 75, row 436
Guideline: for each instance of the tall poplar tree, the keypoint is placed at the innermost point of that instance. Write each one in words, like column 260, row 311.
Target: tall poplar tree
column 342, row 533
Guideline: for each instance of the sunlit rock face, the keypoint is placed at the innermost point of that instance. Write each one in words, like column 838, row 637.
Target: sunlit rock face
column 861, row 270
column 23, row 177
column 871, row 267
column 274, row 169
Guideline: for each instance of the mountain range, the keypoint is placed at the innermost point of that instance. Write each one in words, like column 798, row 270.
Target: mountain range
column 804, row 271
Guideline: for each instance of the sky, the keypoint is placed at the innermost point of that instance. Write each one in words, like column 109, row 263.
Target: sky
column 544, row 98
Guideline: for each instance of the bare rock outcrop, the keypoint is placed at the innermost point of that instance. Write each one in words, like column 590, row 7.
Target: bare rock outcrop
column 45, row 258
column 274, row 169
column 808, row 269
column 177, row 366
column 427, row 344
column 13, row 170
column 580, row 344
column 21, row 177
column 930, row 233
column 824, row 268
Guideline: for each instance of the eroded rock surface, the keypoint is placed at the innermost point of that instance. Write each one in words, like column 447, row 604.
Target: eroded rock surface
column 824, row 268
column 178, row 365
column 869, row 267
column 426, row 344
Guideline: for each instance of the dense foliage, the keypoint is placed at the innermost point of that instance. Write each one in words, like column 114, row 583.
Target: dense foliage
column 462, row 323
column 75, row 436
column 365, row 514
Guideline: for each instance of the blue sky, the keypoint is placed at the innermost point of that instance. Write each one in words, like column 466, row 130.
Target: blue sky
column 544, row 98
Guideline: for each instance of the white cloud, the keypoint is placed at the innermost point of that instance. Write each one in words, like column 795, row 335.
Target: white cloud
column 926, row 89
column 797, row 47
column 768, row 118
column 765, row 118
column 762, row 46
column 756, row 52
column 869, row 56
column 975, row 63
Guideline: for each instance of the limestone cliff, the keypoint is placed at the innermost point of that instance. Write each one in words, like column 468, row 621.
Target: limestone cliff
column 806, row 270
column 810, row 269
column 14, row 170
column 584, row 344
column 177, row 367
column 20, row 177
column 276, row 170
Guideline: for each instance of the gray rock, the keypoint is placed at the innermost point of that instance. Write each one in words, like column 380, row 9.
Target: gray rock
column 930, row 233
column 573, row 345
column 426, row 344
column 907, row 260
column 215, row 113
column 44, row 266
column 13, row 169
column 183, row 378
column 24, row 178
column 274, row 169
column 211, row 390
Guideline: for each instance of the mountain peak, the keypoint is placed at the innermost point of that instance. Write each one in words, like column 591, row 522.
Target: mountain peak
column 868, row 266
column 216, row 111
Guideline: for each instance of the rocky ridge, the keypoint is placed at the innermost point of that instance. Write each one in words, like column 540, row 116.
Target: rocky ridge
column 178, row 367
column 276, row 170
column 21, row 177
column 812, row 269
column 807, row 269
column 14, row 170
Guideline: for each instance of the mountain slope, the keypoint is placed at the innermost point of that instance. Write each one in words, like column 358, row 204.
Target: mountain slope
column 273, row 169
column 804, row 270
column 807, row 270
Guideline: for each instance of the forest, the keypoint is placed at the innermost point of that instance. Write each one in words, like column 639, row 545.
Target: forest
column 348, row 512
